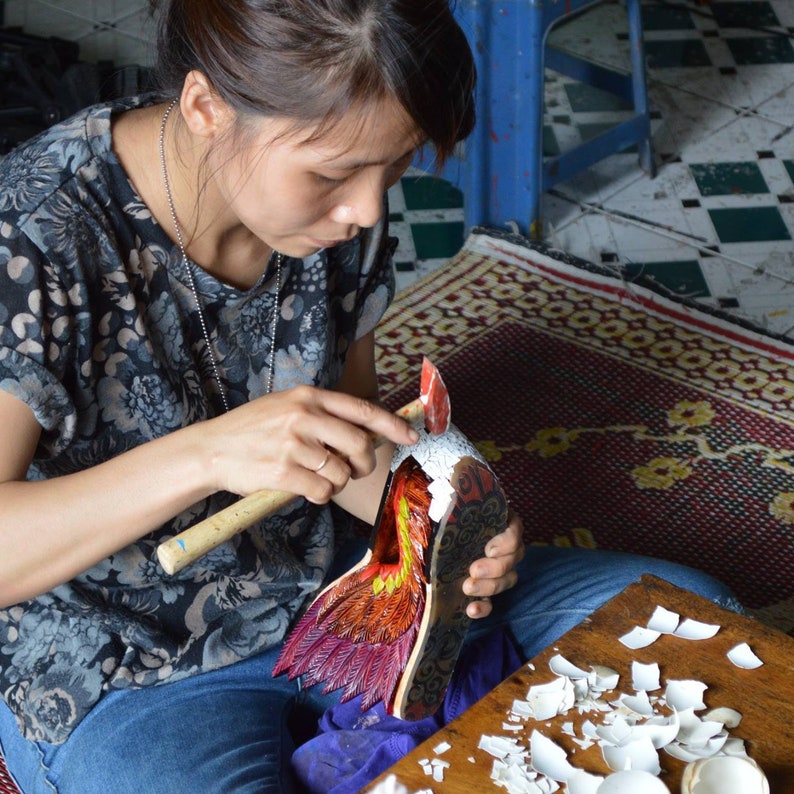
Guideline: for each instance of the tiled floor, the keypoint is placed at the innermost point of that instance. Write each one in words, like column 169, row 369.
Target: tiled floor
column 717, row 222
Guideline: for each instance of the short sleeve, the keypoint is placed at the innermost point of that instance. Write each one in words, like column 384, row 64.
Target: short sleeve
column 36, row 337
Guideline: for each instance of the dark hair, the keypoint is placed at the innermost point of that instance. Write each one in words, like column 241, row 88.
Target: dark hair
column 312, row 60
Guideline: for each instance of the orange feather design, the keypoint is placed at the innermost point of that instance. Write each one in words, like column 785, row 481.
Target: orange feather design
column 359, row 632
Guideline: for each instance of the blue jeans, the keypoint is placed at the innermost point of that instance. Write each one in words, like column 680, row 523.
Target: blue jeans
column 234, row 729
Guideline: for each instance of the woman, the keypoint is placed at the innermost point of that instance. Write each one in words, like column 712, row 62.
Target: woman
column 190, row 287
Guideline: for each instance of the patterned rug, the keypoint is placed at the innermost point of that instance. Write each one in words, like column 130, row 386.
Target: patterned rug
column 616, row 418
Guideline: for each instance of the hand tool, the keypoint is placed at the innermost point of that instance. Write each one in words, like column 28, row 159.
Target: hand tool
column 194, row 542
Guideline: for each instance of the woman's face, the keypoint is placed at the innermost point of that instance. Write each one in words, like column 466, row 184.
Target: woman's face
column 299, row 196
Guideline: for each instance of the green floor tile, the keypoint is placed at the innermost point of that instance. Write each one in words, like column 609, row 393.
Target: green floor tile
column 681, row 52
column 437, row 240
column 737, row 14
column 790, row 168
column 749, row 225
column 761, row 49
column 721, row 179
column 683, row 277
column 666, row 18
column 429, row 193
column 589, row 131
column 588, row 99
column 551, row 146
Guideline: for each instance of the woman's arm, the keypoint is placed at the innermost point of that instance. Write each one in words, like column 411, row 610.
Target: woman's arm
column 63, row 526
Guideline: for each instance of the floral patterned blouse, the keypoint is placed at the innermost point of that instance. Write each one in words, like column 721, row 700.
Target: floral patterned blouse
column 99, row 335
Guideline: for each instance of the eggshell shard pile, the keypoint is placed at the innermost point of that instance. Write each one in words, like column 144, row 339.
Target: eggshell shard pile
column 629, row 727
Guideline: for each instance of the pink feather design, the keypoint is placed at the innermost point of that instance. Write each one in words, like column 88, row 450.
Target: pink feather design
column 359, row 633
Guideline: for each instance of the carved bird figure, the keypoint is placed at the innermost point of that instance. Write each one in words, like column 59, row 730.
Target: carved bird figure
column 392, row 627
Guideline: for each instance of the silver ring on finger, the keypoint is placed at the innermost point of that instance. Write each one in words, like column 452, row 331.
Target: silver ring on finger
column 325, row 460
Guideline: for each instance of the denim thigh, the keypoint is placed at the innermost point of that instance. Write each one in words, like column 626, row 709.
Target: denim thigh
column 226, row 730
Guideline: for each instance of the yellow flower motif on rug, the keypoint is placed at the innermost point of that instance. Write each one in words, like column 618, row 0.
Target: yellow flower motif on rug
column 661, row 473
column 691, row 414
column 782, row 507
column 489, row 450
column 552, row 441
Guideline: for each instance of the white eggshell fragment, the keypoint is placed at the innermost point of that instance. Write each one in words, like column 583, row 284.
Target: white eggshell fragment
column 663, row 620
column 730, row 718
column 390, row 785
column 549, row 758
column 581, row 782
column 632, row 781
column 605, row 677
column 645, row 677
column 685, row 694
column 617, row 731
column 442, row 493
column 686, row 752
column 500, row 746
column 734, row 746
column 640, row 637
column 637, row 754
column 660, row 730
column 561, row 666
column 549, row 700
column 700, row 734
column 724, row 774
column 696, row 630
column 742, row 656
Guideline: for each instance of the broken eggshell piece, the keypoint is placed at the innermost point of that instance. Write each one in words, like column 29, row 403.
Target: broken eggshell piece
column 724, row 774
column 437, row 456
column 742, row 656
column 632, row 781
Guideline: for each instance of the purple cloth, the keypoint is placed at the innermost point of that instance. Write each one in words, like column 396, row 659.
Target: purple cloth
column 353, row 747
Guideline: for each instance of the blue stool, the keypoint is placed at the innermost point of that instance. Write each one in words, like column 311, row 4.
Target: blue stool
column 501, row 170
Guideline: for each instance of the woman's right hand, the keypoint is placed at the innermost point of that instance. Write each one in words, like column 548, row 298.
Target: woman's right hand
column 306, row 440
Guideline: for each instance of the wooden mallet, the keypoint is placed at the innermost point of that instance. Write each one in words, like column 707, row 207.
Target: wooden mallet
column 186, row 547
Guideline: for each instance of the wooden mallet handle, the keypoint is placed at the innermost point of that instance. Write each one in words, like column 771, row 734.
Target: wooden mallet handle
column 196, row 541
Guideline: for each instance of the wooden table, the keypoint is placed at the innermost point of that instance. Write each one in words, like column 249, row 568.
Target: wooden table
column 764, row 696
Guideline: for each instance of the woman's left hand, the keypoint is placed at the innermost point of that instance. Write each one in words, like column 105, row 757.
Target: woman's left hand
column 495, row 572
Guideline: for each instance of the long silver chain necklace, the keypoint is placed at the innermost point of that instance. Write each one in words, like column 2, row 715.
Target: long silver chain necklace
column 188, row 266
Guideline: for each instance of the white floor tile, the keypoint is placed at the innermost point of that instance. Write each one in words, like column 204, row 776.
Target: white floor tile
column 779, row 107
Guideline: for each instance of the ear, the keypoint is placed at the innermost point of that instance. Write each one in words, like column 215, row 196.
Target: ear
column 204, row 112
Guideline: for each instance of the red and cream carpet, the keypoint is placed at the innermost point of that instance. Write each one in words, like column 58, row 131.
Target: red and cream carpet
column 616, row 418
